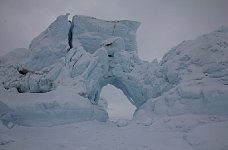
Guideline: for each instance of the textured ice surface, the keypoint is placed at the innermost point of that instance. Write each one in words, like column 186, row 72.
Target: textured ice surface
column 50, row 45
column 91, row 32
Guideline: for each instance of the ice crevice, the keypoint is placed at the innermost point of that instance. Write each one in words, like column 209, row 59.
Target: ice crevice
column 70, row 35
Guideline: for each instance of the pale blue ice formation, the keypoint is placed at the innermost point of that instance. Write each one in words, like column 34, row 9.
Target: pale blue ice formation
column 86, row 54
column 95, row 53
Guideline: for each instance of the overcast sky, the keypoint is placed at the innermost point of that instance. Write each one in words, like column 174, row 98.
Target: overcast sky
column 165, row 23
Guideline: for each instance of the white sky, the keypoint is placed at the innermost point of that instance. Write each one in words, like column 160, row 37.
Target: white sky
column 119, row 107
column 165, row 23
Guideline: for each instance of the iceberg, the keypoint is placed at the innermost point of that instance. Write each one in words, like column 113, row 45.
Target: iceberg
column 93, row 53
column 84, row 55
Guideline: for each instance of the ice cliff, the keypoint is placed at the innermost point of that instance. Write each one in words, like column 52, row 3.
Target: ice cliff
column 86, row 54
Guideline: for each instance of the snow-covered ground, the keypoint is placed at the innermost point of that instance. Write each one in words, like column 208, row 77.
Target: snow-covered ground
column 185, row 132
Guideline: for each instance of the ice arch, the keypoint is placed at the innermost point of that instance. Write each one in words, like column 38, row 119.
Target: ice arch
column 89, row 53
column 118, row 105
column 106, row 53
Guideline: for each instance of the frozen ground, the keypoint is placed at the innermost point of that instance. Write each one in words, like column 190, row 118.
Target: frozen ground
column 185, row 132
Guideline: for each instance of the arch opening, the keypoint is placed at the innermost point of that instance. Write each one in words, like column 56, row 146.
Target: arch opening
column 119, row 106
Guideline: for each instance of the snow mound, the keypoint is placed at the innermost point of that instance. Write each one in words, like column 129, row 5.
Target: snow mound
column 200, row 70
